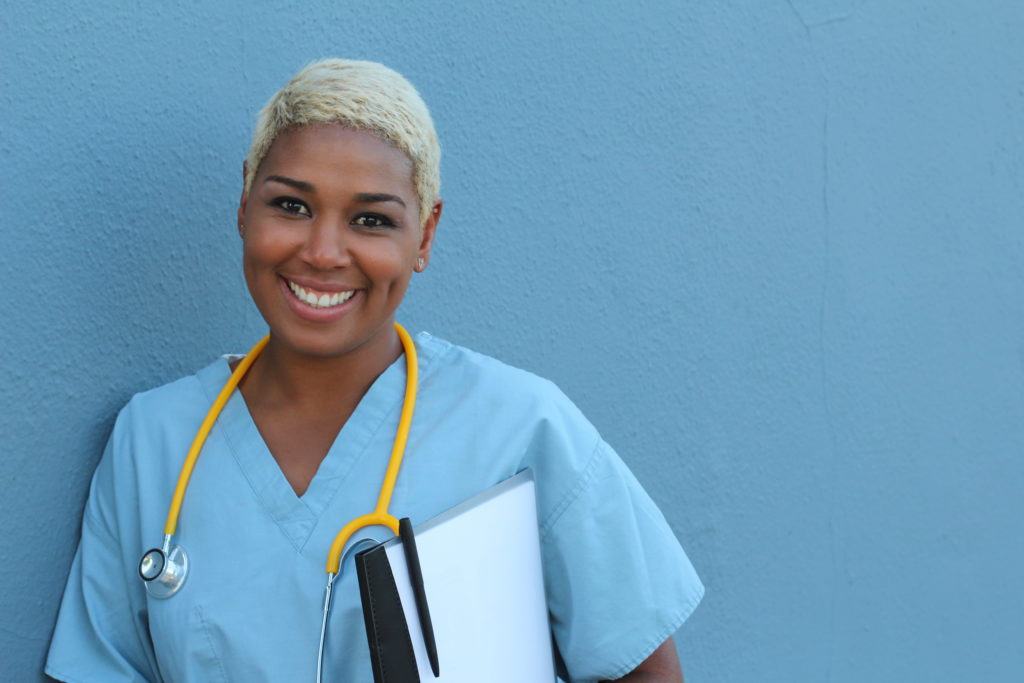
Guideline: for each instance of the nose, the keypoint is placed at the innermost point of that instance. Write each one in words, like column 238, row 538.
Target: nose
column 327, row 244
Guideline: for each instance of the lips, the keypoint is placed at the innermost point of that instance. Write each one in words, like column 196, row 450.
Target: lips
column 318, row 298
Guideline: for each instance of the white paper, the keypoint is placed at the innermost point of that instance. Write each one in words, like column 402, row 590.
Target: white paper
column 485, row 589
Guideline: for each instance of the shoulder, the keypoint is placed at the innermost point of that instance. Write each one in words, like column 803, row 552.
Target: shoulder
column 152, row 432
column 173, row 406
column 598, row 527
column 509, row 413
column 472, row 373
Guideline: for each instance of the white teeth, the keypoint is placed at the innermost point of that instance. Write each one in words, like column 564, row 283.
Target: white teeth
column 323, row 300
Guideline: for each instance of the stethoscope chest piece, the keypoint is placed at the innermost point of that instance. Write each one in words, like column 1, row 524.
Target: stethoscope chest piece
column 164, row 572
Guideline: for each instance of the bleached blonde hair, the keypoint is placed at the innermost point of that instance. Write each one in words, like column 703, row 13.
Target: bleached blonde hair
column 362, row 96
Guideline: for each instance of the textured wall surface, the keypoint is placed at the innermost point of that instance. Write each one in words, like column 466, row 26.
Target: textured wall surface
column 774, row 250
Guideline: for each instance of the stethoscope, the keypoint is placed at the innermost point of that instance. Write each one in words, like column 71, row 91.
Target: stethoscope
column 165, row 569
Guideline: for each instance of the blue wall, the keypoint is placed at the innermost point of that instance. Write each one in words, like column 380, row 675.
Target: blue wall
column 775, row 250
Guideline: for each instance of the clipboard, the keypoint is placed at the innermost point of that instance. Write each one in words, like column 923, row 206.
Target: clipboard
column 481, row 589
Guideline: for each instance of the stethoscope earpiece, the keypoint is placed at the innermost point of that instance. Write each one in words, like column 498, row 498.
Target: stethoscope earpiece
column 164, row 573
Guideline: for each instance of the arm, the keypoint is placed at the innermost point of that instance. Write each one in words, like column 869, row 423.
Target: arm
column 102, row 630
column 661, row 667
column 100, row 633
column 619, row 581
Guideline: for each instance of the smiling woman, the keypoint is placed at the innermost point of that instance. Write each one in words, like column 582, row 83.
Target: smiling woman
column 332, row 237
column 339, row 209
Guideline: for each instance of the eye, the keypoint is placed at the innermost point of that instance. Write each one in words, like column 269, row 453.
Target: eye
column 373, row 220
column 292, row 205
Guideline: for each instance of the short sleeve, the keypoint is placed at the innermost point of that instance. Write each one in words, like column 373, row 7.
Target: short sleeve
column 101, row 632
column 618, row 582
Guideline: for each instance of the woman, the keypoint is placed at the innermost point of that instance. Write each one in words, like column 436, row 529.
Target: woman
column 339, row 209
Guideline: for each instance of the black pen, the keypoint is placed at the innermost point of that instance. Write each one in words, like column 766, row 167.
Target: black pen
column 412, row 559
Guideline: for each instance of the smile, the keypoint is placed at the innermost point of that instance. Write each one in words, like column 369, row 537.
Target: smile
column 318, row 299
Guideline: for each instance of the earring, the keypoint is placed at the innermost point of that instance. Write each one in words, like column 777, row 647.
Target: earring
column 241, row 230
column 419, row 264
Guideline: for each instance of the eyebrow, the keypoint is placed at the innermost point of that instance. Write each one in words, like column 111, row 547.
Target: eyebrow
column 362, row 197
column 374, row 197
column 297, row 184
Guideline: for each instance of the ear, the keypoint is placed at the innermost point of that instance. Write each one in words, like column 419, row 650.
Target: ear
column 427, row 236
column 241, row 205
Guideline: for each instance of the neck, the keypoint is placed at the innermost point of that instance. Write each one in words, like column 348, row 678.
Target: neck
column 283, row 375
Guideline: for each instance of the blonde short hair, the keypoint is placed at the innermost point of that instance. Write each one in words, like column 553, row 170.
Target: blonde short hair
column 362, row 96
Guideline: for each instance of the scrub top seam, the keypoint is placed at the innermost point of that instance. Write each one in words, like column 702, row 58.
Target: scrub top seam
column 670, row 626
column 209, row 642
column 226, row 361
column 425, row 365
column 88, row 516
column 104, row 535
column 265, row 504
column 351, row 444
column 342, row 475
column 223, row 430
column 235, row 423
column 100, row 532
column 425, row 371
column 581, row 484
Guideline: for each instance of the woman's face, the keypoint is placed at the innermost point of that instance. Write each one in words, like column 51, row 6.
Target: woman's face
column 331, row 236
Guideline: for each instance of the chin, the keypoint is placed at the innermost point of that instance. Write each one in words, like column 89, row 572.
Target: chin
column 320, row 343
column 309, row 345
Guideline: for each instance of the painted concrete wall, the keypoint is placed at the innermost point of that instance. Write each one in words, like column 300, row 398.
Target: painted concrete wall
column 775, row 250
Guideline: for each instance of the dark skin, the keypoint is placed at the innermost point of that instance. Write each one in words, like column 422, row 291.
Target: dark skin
column 333, row 210
column 299, row 407
column 661, row 667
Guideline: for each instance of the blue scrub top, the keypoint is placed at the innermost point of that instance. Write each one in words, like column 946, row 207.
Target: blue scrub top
column 618, row 583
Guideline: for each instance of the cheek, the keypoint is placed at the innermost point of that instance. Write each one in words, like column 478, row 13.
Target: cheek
column 259, row 255
column 249, row 270
column 390, row 260
column 266, row 246
column 249, row 263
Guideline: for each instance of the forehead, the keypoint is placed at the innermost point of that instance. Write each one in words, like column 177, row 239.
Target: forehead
column 333, row 154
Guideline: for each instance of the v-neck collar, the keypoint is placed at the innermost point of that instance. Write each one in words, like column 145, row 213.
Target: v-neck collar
column 297, row 516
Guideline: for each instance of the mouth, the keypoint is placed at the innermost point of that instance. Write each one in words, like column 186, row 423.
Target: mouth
column 319, row 299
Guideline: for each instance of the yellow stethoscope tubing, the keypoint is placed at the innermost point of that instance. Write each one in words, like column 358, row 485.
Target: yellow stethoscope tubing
column 204, row 431
column 380, row 515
